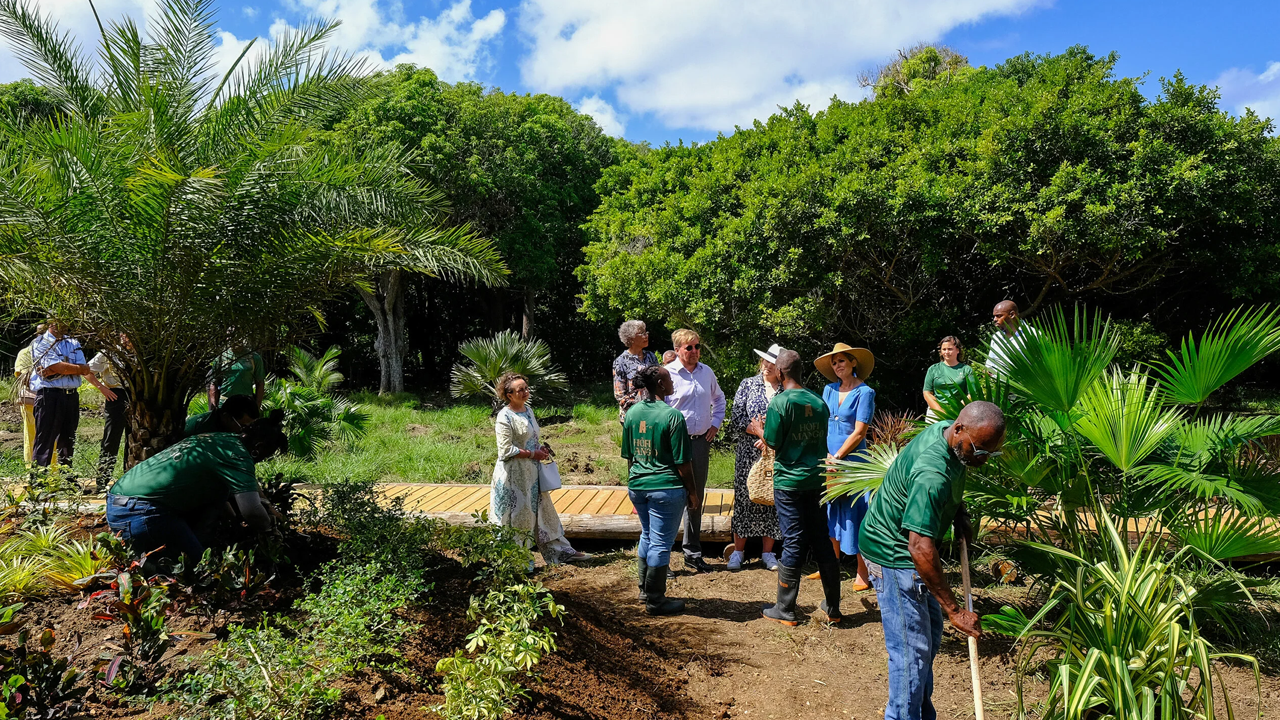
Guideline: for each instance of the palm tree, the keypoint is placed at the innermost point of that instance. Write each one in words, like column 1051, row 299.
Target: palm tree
column 317, row 373
column 502, row 353
column 165, row 212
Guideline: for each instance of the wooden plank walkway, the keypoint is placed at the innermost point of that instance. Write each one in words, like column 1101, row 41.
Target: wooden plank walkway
column 587, row 511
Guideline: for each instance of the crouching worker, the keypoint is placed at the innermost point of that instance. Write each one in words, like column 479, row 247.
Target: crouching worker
column 235, row 414
column 169, row 500
column 655, row 442
column 796, row 428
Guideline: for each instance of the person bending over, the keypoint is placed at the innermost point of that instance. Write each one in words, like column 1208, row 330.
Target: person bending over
column 655, row 442
column 796, row 428
column 168, row 500
column 235, row 414
column 922, row 495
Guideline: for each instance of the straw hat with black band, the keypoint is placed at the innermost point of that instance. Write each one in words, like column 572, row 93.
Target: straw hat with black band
column 864, row 362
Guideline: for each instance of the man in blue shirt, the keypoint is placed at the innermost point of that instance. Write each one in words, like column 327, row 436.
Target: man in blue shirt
column 58, row 366
column 699, row 398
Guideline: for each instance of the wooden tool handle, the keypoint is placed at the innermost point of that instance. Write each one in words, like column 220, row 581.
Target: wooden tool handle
column 974, row 677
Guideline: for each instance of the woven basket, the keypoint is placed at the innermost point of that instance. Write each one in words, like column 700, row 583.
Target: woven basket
column 760, row 479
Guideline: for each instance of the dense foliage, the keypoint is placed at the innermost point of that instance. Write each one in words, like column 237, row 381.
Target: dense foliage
column 895, row 221
column 165, row 212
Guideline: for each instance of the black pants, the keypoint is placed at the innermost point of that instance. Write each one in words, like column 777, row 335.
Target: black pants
column 117, row 420
column 57, row 417
column 803, row 526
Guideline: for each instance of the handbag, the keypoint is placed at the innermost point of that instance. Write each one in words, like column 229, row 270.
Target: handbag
column 548, row 477
column 760, row 478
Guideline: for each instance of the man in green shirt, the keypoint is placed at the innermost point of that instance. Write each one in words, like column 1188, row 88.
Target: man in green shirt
column 796, row 428
column 239, row 371
column 659, row 453
column 163, row 502
column 921, row 497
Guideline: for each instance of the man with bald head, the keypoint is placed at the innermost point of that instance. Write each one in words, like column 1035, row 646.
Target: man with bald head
column 921, row 497
column 1008, row 326
column 796, row 428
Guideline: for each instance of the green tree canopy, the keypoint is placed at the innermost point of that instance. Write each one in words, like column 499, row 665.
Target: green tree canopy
column 520, row 169
column 892, row 221
column 166, row 213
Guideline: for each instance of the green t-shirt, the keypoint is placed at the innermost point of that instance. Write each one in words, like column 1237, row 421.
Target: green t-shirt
column 201, row 424
column 196, row 472
column 921, row 492
column 796, row 428
column 945, row 381
column 656, row 441
column 239, row 375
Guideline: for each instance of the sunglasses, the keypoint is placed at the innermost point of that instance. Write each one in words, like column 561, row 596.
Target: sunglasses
column 979, row 452
column 520, row 391
column 695, row 346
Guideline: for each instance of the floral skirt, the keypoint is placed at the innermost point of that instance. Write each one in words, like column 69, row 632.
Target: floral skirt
column 516, row 501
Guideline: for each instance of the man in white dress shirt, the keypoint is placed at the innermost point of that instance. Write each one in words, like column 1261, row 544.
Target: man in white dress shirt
column 699, row 398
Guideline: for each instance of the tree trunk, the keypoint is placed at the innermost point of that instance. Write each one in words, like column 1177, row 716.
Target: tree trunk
column 154, row 424
column 526, row 327
column 387, row 304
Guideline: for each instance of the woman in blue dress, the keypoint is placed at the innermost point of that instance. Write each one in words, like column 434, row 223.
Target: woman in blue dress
column 851, row 402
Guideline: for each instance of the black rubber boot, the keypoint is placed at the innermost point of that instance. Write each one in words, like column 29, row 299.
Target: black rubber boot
column 784, row 611
column 643, row 565
column 656, row 601
column 831, row 590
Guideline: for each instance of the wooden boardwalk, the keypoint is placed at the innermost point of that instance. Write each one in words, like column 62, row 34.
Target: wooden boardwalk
column 587, row 511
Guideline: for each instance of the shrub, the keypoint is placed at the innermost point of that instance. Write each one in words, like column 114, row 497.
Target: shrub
column 504, row 352
column 506, row 643
column 33, row 682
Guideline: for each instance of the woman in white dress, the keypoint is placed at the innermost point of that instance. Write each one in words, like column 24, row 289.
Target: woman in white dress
column 516, row 499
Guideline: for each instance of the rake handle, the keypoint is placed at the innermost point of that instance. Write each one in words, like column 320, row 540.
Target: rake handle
column 974, row 677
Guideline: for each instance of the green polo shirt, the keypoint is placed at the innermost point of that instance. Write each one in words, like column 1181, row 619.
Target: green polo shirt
column 796, row 428
column 656, row 441
column 192, row 473
column 921, row 492
column 201, row 424
column 239, row 375
column 945, row 381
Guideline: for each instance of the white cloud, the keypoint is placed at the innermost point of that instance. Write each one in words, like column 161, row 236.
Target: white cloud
column 454, row 44
column 713, row 64
column 604, row 114
column 73, row 16
column 249, row 11
column 1241, row 89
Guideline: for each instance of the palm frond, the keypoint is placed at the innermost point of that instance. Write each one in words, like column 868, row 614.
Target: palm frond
column 863, row 474
column 1053, row 363
column 52, row 57
column 1227, row 348
column 1123, row 417
column 502, row 353
column 1224, row 534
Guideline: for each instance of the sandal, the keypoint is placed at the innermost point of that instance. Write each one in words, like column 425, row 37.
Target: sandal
column 579, row 556
column 859, row 586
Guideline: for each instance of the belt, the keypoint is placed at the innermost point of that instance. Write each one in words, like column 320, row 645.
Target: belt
column 60, row 390
column 119, row 500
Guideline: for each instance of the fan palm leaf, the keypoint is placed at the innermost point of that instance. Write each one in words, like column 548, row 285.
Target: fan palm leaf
column 1224, row 534
column 861, row 475
column 1053, row 363
column 1123, row 417
column 318, row 373
column 1229, row 346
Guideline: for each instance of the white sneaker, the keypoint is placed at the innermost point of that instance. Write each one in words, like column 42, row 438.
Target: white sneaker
column 770, row 561
column 735, row 561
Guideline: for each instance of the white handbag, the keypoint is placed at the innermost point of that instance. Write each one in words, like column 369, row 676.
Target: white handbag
column 548, row 477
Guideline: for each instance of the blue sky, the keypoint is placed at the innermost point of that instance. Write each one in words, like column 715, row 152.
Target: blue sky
column 669, row 70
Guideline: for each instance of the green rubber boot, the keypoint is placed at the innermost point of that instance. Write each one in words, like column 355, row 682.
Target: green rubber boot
column 831, row 590
column 656, row 601
column 643, row 565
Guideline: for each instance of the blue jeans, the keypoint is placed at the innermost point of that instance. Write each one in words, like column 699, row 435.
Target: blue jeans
column 912, row 622
column 147, row 526
column 659, row 512
column 802, row 524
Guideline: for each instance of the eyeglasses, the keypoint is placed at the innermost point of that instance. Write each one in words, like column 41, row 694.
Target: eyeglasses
column 520, row 391
column 691, row 348
column 979, row 452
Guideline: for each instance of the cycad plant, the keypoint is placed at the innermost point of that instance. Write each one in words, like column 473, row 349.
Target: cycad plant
column 313, row 415
column 502, row 353
column 166, row 211
column 317, row 373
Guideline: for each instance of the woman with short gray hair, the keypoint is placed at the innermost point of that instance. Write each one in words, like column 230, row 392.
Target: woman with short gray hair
column 635, row 336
